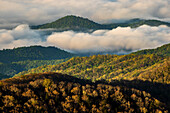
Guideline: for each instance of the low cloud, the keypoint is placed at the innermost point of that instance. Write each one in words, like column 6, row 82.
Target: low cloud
column 20, row 36
column 116, row 40
column 119, row 40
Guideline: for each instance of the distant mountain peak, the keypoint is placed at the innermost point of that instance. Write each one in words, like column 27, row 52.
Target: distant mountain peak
column 134, row 20
column 72, row 22
column 71, row 16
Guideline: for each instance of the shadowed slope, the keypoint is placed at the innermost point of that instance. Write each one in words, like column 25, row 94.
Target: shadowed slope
column 54, row 92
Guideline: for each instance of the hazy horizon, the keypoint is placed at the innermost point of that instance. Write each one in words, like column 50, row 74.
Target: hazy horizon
column 35, row 12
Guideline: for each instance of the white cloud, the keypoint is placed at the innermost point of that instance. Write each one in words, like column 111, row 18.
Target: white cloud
column 19, row 36
column 14, row 12
column 112, row 40
column 115, row 40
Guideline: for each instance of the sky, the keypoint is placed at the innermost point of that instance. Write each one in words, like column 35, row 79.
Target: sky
column 19, row 15
column 34, row 12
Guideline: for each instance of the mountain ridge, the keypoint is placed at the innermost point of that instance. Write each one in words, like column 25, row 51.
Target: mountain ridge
column 19, row 59
column 33, row 53
column 72, row 22
column 164, row 50
column 111, row 67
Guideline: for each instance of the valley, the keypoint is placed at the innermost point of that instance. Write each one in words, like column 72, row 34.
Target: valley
column 137, row 82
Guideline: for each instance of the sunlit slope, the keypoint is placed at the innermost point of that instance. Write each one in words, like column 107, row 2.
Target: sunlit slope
column 163, row 51
column 111, row 67
column 108, row 67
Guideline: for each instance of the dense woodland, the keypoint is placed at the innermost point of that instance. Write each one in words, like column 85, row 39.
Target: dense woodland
column 134, row 23
column 13, row 61
column 32, row 53
column 162, row 51
column 54, row 92
column 72, row 22
column 2, row 76
column 153, row 65
column 138, row 83
column 13, row 68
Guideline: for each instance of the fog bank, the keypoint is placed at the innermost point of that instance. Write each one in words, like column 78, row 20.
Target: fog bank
column 120, row 40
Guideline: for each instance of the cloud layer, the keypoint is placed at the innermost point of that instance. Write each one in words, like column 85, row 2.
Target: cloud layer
column 117, row 40
column 41, row 11
column 20, row 36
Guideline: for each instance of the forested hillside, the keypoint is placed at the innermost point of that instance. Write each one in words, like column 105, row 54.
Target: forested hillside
column 2, row 76
column 107, row 67
column 163, row 51
column 133, row 23
column 13, row 68
column 13, row 61
column 32, row 53
column 54, row 92
column 111, row 67
column 156, row 73
column 72, row 22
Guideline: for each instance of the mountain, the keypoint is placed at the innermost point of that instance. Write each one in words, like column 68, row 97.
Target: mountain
column 2, row 76
column 13, row 61
column 10, row 69
column 133, row 23
column 32, row 53
column 107, row 67
column 157, row 72
column 72, row 22
column 55, row 92
column 113, row 67
column 163, row 50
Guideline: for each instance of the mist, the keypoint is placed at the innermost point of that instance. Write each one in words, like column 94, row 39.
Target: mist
column 121, row 40
column 20, row 36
